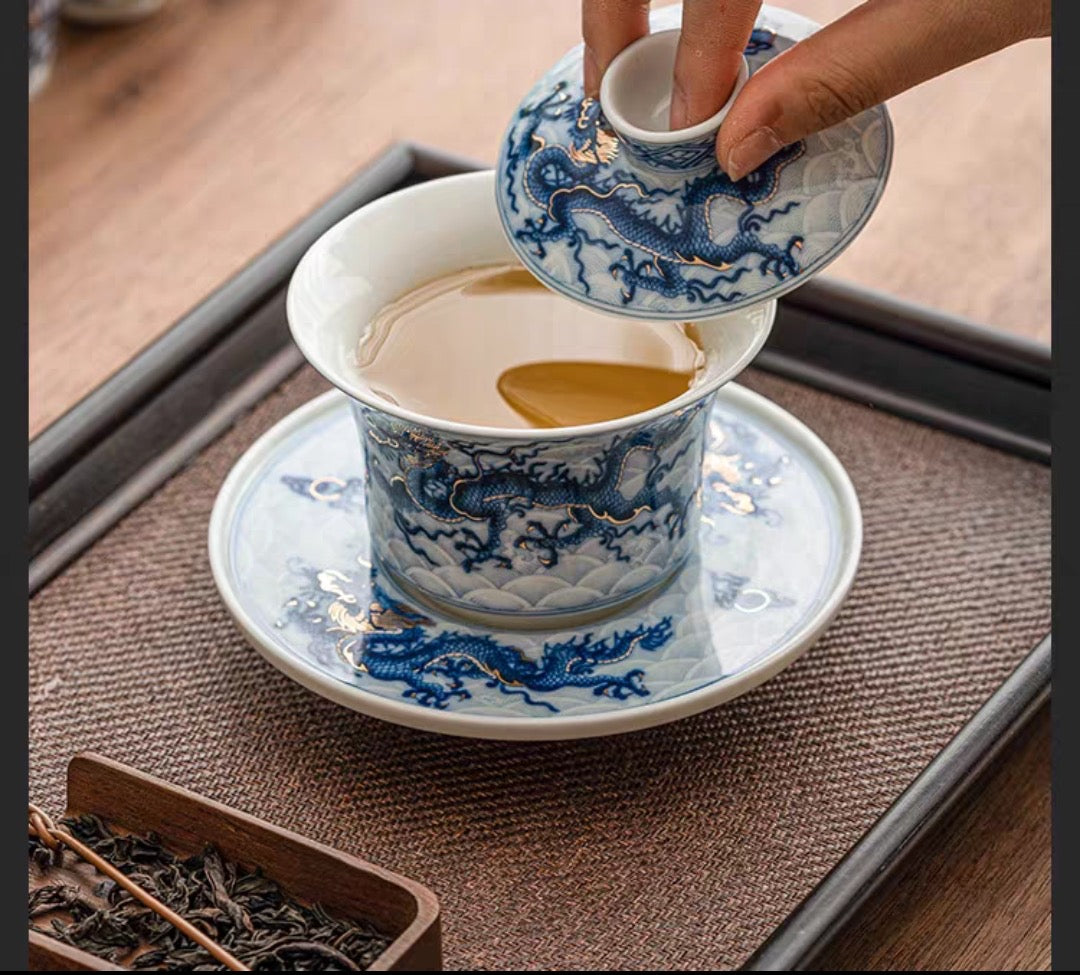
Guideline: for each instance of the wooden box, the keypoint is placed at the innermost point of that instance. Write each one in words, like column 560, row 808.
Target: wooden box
column 128, row 800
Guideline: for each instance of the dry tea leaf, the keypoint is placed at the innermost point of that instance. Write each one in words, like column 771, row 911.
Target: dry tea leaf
column 245, row 912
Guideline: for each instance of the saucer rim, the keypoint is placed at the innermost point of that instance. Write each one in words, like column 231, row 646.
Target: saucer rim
column 526, row 728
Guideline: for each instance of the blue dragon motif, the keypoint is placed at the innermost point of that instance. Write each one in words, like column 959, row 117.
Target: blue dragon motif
column 566, row 182
column 737, row 477
column 389, row 640
column 761, row 39
column 473, row 500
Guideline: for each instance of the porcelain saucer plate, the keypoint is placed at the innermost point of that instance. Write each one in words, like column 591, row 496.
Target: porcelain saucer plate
column 602, row 226
column 779, row 543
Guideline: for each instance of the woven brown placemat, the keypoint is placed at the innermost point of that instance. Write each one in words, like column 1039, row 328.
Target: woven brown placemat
column 680, row 847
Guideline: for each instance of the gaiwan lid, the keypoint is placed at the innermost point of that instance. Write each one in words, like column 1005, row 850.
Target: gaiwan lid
column 605, row 207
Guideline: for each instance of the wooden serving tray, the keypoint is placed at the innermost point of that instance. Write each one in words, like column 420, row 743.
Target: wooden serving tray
column 129, row 800
column 828, row 777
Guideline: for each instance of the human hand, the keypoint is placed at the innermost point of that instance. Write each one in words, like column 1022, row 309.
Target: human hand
column 873, row 52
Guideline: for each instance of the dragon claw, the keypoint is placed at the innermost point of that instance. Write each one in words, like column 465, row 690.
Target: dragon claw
column 575, row 176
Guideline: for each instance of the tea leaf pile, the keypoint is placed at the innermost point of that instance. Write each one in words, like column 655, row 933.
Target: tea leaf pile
column 245, row 912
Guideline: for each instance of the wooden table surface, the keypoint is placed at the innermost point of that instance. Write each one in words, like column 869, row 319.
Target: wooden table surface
column 164, row 155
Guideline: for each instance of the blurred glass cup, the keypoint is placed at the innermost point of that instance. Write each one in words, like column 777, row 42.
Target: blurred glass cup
column 44, row 15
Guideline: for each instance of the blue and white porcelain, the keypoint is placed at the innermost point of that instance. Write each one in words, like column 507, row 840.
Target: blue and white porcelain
column 615, row 213
column 519, row 528
column 534, row 531
column 635, row 99
column 777, row 541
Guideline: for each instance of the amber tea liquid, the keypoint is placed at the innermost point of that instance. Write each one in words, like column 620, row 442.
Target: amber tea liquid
column 493, row 347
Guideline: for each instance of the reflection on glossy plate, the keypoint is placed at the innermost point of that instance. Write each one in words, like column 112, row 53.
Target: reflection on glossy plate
column 779, row 544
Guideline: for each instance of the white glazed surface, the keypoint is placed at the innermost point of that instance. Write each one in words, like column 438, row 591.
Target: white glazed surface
column 635, row 92
column 401, row 241
column 778, row 550
column 643, row 229
column 486, row 519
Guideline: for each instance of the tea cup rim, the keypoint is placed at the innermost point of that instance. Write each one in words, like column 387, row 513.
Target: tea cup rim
column 304, row 329
column 613, row 78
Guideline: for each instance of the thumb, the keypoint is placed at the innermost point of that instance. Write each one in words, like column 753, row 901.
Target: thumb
column 872, row 53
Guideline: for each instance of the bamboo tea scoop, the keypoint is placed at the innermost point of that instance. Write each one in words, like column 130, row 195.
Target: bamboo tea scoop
column 54, row 837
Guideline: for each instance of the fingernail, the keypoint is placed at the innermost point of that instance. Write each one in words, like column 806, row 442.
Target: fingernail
column 751, row 151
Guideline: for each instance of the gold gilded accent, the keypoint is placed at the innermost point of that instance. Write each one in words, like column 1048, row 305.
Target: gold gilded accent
column 492, row 672
column 605, row 149
column 630, row 648
column 353, row 625
column 701, row 262
column 345, row 648
column 582, row 119
column 607, row 145
column 738, row 503
column 583, row 155
column 398, row 479
column 389, row 621
column 330, row 581
column 596, row 194
column 725, row 466
column 348, row 622
column 611, row 520
column 315, row 488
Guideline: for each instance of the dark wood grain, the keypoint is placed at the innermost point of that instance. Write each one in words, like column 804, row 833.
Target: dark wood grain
column 164, row 155
column 48, row 955
column 131, row 801
column 976, row 894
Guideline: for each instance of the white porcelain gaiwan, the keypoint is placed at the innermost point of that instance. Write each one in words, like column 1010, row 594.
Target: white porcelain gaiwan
column 605, row 204
column 533, row 528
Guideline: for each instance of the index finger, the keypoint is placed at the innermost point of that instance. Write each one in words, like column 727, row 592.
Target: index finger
column 711, row 46
column 607, row 26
